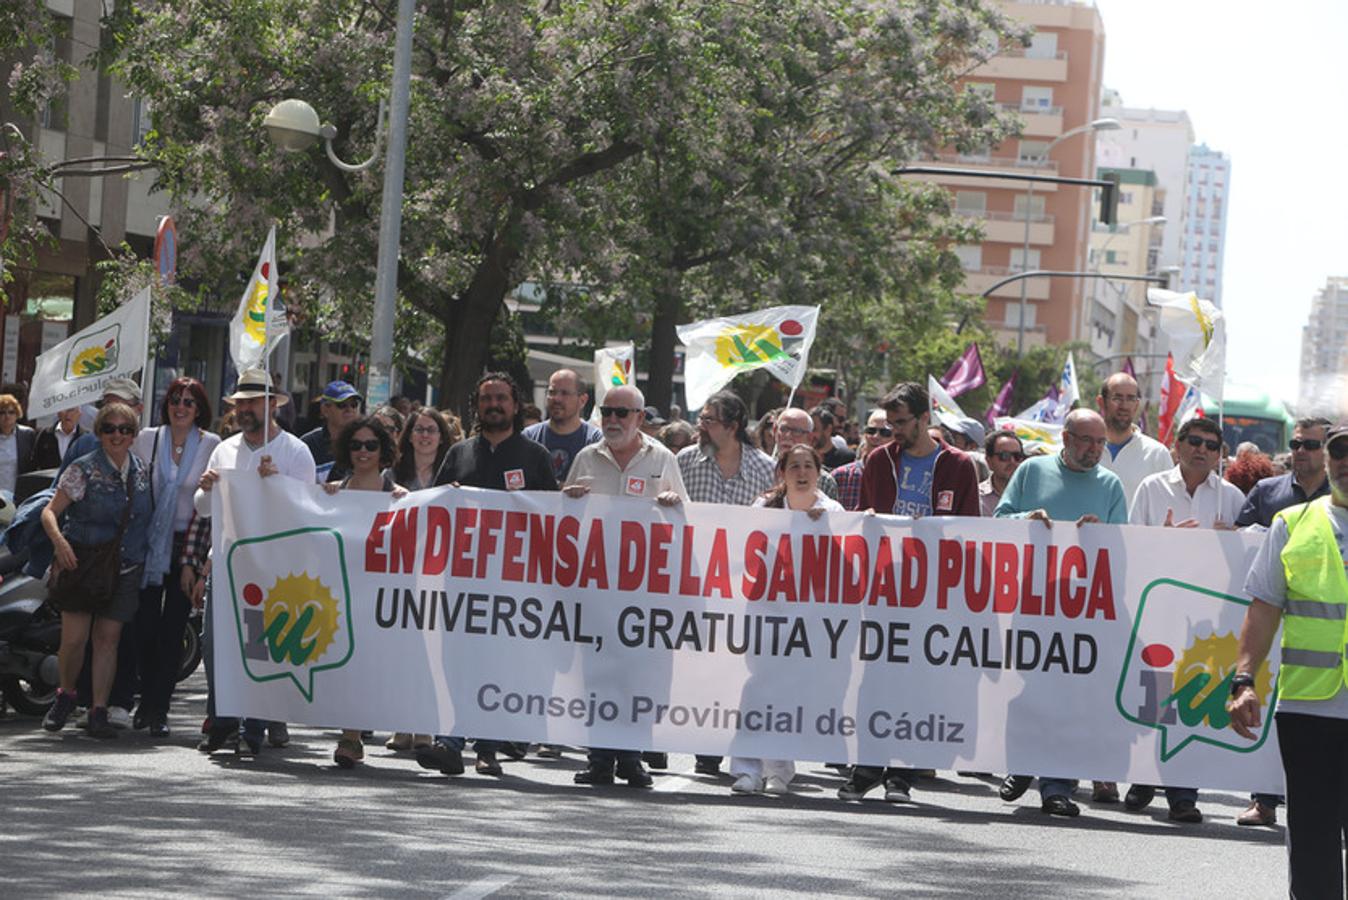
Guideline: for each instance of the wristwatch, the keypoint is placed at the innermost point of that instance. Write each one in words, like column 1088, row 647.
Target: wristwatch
column 1241, row 680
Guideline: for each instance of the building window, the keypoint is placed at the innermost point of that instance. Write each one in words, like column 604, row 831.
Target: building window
column 1034, row 98
column 1036, row 207
column 985, row 89
column 140, row 120
column 1012, row 315
column 1043, row 45
column 972, row 202
column 970, row 256
column 1032, row 151
column 1022, row 263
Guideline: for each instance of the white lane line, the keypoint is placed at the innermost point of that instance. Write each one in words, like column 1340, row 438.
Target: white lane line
column 670, row 783
column 483, row 887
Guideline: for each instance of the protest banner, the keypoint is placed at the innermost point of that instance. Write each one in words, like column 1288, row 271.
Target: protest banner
column 1100, row 652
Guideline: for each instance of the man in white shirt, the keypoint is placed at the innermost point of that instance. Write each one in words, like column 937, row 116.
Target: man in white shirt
column 626, row 463
column 1190, row 495
column 1129, row 453
column 264, row 445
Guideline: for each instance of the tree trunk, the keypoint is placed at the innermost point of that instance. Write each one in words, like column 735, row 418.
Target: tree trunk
column 660, row 366
column 469, row 321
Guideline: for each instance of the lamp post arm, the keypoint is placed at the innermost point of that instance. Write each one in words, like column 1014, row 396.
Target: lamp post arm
column 329, row 133
column 1046, row 273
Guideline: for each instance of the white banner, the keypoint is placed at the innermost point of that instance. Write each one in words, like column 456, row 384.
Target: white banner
column 74, row 371
column 776, row 339
column 973, row 644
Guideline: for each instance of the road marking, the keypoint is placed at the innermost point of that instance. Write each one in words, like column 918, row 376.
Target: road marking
column 483, row 887
column 671, row 783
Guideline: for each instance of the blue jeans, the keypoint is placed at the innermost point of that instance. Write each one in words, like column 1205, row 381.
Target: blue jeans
column 1054, row 787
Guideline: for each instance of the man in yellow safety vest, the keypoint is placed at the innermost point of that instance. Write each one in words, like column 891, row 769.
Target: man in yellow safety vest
column 1300, row 578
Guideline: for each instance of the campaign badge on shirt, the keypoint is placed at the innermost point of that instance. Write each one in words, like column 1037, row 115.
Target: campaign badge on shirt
column 514, row 479
column 945, row 501
column 636, row 486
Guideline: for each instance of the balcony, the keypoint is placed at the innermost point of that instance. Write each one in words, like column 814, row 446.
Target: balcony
column 1044, row 121
column 1017, row 64
column 976, row 281
column 1009, row 228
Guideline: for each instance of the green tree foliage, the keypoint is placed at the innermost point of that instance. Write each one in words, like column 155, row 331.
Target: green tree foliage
column 675, row 158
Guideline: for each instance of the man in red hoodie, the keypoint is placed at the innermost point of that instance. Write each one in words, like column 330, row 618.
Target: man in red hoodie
column 916, row 475
column 913, row 475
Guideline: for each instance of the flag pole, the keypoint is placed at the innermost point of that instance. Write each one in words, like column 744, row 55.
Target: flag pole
column 272, row 273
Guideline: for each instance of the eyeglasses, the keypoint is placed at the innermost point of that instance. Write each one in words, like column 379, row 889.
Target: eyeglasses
column 1009, row 455
column 1089, row 441
column 9, row 412
column 370, row 445
column 709, row 420
column 883, row 432
column 618, row 412
column 425, row 429
column 792, row 430
column 1339, row 450
column 1310, row 445
column 109, row 428
column 1197, row 440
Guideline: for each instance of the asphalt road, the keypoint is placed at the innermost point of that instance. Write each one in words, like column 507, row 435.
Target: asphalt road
column 140, row 818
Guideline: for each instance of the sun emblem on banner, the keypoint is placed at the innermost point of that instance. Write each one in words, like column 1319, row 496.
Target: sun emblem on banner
column 300, row 617
column 1211, row 661
column 94, row 355
column 255, row 320
column 747, row 344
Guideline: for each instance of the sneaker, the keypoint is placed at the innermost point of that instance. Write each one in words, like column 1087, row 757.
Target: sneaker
column 1139, row 796
column 775, row 786
column 158, row 727
column 100, row 724
column 1258, row 814
column 897, row 791
column 348, row 753
column 278, row 735
column 747, row 784
column 1060, row 806
column 858, row 784
column 1014, row 786
column 440, row 757
column 59, row 712
column 82, row 717
column 120, row 718
column 1185, row 811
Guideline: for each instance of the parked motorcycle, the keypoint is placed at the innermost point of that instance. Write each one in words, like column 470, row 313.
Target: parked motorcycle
column 30, row 635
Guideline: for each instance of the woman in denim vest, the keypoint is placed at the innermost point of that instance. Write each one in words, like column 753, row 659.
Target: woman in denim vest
column 93, row 494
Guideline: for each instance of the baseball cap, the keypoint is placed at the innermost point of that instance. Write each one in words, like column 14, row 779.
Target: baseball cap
column 971, row 428
column 123, row 389
column 653, row 416
column 1338, row 431
column 337, row 391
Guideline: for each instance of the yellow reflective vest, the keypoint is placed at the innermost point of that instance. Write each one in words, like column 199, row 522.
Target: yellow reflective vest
column 1315, row 617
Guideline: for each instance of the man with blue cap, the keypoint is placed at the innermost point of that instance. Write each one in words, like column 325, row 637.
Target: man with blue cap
column 339, row 404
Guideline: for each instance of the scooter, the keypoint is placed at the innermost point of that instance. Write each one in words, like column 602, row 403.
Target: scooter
column 30, row 636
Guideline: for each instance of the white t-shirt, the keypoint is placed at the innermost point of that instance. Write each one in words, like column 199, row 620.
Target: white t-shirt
column 1268, row 582
column 1215, row 499
column 288, row 453
column 1140, row 457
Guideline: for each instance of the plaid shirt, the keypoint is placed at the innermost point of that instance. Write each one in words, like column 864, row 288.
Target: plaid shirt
column 705, row 483
column 197, row 545
column 848, row 478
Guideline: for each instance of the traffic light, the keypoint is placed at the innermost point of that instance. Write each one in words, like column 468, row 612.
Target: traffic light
column 1109, row 199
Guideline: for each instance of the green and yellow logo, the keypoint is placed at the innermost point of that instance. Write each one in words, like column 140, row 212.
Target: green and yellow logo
column 292, row 605
column 1177, row 671
column 746, row 345
column 94, row 354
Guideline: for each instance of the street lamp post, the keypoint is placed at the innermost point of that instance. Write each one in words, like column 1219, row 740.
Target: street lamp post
column 1095, row 125
column 293, row 125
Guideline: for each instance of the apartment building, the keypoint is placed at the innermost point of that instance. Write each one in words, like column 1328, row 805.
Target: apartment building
column 1203, row 246
column 1324, row 352
column 1118, row 325
column 1054, row 84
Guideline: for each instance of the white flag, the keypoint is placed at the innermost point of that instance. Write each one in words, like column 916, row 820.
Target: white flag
column 944, row 410
column 260, row 322
column 613, row 367
column 74, row 371
column 1197, row 333
column 777, row 339
column 1032, row 433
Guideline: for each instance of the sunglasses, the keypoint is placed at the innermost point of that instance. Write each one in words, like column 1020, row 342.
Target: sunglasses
column 1009, row 455
column 1195, row 440
column 1309, row 444
column 1339, row 450
column 883, row 432
column 618, row 412
column 370, row 445
column 182, row 400
column 109, row 428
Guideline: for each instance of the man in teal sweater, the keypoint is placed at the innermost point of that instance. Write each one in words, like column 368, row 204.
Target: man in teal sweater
column 1070, row 486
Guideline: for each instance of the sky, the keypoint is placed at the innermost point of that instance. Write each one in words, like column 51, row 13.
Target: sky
column 1264, row 84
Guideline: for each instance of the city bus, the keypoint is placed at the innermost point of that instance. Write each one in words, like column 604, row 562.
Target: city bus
column 1251, row 414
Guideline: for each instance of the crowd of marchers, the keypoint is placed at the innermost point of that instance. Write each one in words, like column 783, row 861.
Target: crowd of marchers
column 122, row 535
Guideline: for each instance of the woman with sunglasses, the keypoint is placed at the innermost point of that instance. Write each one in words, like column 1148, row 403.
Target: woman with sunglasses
column 104, row 497
column 797, row 488
column 176, row 454
column 365, row 450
